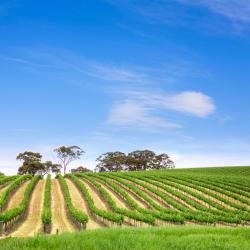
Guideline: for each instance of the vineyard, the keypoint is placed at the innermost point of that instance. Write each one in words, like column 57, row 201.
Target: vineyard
column 31, row 205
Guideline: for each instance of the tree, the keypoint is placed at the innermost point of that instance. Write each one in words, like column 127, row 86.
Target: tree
column 52, row 167
column 68, row 154
column 141, row 160
column 80, row 170
column 32, row 168
column 111, row 162
column 1, row 174
column 32, row 164
column 163, row 161
column 29, row 156
column 134, row 161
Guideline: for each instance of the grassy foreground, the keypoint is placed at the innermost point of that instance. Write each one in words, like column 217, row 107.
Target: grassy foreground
column 178, row 237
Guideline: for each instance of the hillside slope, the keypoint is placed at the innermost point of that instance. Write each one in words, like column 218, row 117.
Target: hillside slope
column 208, row 196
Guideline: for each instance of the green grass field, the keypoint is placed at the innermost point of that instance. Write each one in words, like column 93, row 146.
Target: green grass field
column 176, row 238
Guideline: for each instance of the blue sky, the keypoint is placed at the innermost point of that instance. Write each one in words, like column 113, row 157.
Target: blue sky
column 171, row 76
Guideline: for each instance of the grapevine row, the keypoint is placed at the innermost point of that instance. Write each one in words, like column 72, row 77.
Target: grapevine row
column 46, row 214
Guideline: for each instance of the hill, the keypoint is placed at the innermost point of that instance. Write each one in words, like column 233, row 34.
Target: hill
column 179, row 198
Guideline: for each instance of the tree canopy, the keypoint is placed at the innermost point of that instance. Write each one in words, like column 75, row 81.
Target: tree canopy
column 32, row 164
column 80, row 170
column 68, row 154
column 134, row 161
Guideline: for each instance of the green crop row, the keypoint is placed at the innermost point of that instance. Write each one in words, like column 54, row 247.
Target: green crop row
column 200, row 197
column 239, row 189
column 124, row 212
column 5, row 179
column 113, row 217
column 133, row 214
column 183, row 213
column 206, row 216
column 237, row 184
column 223, row 189
column 79, row 216
column 159, row 212
column 5, row 195
column 206, row 188
column 46, row 214
column 223, row 213
column 14, row 212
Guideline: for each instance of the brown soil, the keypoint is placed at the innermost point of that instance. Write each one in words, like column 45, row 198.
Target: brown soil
column 175, row 198
column 209, row 196
column 117, row 199
column 151, row 195
column 60, row 222
column 17, row 196
column 99, row 203
column 3, row 188
column 33, row 224
column 140, row 202
column 80, row 204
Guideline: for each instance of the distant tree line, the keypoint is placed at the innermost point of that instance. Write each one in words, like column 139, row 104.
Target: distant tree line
column 109, row 162
column 1, row 174
column 32, row 162
column 80, row 170
column 134, row 161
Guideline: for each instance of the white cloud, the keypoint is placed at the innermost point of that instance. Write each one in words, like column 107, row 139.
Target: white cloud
column 190, row 102
column 140, row 109
column 131, row 113
column 235, row 10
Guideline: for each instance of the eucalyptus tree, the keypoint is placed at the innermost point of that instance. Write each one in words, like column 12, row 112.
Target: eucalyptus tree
column 68, row 154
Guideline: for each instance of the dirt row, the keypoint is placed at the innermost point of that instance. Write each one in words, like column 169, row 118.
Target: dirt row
column 80, row 203
column 33, row 224
column 3, row 188
column 60, row 221
column 17, row 196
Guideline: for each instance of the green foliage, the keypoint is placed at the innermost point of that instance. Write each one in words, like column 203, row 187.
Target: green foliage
column 32, row 164
column 102, row 213
column 14, row 212
column 146, row 218
column 6, row 179
column 163, row 214
column 46, row 214
column 136, row 160
column 194, row 190
column 28, row 157
column 5, row 195
column 169, row 238
column 74, row 212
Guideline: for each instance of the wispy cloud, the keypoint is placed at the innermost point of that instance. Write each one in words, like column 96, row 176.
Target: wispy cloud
column 42, row 61
column 140, row 109
column 63, row 62
column 130, row 113
column 139, row 92
column 235, row 10
column 217, row 15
